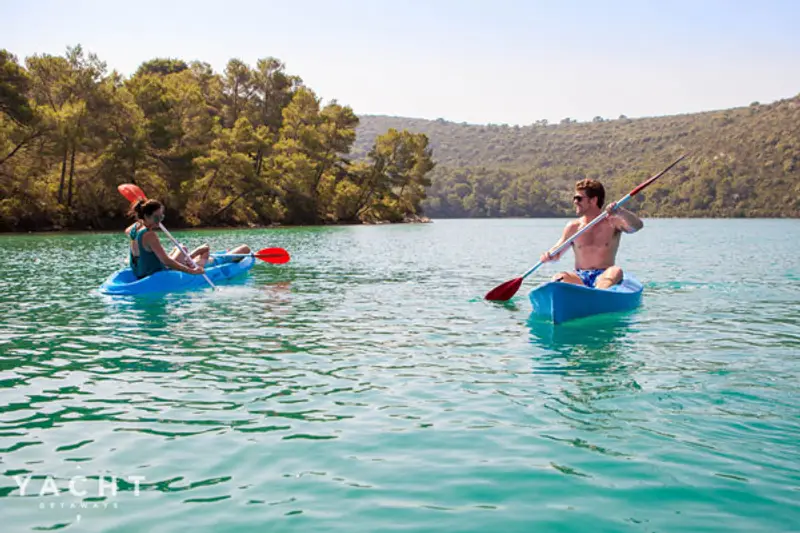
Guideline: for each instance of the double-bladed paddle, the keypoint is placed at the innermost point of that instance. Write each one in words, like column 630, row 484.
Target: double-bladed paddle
column 276, row 256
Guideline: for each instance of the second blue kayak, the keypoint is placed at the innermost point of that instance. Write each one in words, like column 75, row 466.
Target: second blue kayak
column 125, row 282
column 560, row 302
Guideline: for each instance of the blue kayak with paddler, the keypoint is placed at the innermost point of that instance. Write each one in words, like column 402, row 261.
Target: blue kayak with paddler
column 126, row 282
column 592, row 291
column 152, row 270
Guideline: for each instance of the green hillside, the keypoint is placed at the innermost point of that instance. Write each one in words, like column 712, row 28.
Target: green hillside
column 745, row 162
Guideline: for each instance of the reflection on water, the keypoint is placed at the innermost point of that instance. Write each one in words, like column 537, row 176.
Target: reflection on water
column 276, row 292
column 147, row 314
column 592, row 356
column 596, row 333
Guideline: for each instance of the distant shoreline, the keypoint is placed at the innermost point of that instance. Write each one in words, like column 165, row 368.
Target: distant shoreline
column 68, row 231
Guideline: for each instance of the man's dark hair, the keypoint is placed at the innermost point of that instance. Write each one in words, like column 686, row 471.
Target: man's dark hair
column 593, row 189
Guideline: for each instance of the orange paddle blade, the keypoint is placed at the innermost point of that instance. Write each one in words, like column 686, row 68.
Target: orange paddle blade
column 131, row 192
column 277, row 256
column 504, row 291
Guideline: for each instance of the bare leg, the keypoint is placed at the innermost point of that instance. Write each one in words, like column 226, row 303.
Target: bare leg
column 200, row 255
column 242, row 249
column 568, row 277
column 609, row 278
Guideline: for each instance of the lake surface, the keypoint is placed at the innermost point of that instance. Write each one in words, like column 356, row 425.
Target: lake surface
column 366, row 386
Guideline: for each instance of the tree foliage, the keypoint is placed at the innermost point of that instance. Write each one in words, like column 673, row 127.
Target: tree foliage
column 252, row 145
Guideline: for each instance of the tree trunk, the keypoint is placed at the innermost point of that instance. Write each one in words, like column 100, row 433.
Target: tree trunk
column 133, row 169
column 365, row 197
column 210, row 184
column 218, row 213
column 322, row 168
column 63, row 174
column 235, row 103
column 22, row 143
column 259, row 159
column 71, row 173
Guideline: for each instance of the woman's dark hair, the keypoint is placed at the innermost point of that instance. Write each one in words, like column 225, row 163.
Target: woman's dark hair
column 144, row 208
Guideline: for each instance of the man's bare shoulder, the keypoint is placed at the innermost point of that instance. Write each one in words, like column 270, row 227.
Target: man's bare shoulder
column 573, row 225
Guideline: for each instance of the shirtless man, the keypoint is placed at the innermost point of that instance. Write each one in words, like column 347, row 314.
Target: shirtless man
column 595, row 250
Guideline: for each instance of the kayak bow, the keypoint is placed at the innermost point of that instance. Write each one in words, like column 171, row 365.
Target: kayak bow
column 559, row 301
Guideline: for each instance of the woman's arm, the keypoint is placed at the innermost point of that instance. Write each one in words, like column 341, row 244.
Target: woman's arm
column 151, row 241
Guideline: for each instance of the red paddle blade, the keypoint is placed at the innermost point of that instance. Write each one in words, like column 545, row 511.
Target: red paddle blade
column 277, row 256
column 504, row 291
column 131, row 192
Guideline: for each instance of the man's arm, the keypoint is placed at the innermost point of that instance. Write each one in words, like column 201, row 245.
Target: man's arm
column 569, row 230
column 623, row 219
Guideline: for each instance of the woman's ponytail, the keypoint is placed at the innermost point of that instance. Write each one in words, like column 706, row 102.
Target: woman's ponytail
column 142, row 208
column 136, row 209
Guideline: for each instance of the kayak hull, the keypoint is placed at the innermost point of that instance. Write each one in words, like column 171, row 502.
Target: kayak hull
column 125, row 282
column 560, row 302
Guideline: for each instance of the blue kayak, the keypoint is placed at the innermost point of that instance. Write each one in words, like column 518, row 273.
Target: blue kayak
column 560, row 302
column 125, row 282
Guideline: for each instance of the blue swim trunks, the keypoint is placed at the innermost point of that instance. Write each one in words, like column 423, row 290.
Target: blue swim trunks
column 589, row 277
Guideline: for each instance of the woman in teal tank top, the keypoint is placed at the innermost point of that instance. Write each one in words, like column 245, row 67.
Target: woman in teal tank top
column 147, row 256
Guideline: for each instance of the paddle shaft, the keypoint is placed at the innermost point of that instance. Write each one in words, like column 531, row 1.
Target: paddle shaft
column 252, row 254
column 604, row 214
column 184, row 252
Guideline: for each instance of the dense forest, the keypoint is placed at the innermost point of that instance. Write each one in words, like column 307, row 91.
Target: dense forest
column 744, row 162
column 252, row 145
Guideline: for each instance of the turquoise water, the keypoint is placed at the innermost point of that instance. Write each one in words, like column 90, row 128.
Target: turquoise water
column 366, row 386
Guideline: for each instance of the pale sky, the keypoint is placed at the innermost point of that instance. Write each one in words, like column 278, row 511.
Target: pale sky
column 479, row 61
